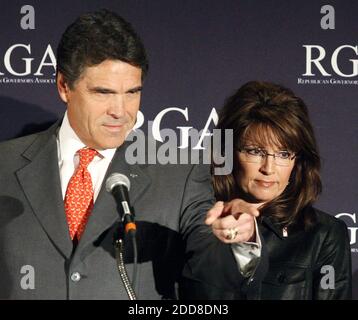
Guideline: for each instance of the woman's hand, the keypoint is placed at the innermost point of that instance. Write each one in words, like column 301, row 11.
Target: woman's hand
column 234, row 221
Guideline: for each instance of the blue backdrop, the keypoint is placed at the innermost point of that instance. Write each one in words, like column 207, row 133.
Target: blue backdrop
column 200, row 52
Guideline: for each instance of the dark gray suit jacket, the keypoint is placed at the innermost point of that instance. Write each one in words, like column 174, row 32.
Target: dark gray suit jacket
column 170, row 203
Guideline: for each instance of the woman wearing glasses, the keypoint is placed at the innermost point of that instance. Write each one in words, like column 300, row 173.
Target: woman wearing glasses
column 276, row 166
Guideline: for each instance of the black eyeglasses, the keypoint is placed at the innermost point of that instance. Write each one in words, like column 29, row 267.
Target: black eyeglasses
column 257, row 155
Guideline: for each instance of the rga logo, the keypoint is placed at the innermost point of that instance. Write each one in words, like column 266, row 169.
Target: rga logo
column 351, row 221
column 336, row 67
column 18, row 63
column 316, row 55
column 19, row 66
column 184, row 131
column 182, row 146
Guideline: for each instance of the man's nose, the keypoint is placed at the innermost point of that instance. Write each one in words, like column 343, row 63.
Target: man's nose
column 268, row 165
column 117, row 107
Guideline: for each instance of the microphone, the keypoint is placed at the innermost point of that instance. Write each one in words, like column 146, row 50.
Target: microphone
column 118, row 185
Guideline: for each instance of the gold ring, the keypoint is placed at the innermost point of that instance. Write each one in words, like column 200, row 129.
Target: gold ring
column 231, row 233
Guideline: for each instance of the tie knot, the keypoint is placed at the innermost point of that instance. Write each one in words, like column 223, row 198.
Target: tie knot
column 86, row 156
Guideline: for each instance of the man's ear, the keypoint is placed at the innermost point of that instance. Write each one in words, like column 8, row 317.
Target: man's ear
column 62, row 87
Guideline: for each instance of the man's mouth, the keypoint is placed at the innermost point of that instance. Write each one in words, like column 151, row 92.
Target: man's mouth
column 113, row 127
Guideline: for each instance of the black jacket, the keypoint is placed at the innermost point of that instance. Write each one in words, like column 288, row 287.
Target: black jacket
column 313, row 264
column 242, row 288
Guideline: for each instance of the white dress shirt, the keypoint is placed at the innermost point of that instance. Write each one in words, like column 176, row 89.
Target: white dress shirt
column 68, row 144
column 247, row 254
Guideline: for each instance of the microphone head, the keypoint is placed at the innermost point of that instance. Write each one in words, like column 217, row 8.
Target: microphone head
column 116, row 179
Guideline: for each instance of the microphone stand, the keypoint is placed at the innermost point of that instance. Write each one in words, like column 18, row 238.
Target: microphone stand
column 119, row 252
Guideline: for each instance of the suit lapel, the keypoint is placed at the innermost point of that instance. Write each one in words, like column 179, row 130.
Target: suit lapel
column 40, row 181
column 104, row 213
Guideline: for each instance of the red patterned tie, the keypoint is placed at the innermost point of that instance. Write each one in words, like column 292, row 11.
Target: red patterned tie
column 79, row 195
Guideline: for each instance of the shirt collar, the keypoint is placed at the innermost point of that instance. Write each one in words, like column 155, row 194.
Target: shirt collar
column 70, row 143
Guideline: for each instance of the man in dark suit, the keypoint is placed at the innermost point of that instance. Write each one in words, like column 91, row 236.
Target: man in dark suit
column 57, row 222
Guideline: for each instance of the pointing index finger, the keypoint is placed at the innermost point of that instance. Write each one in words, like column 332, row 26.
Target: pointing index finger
column 214, row 212
column 238, row 206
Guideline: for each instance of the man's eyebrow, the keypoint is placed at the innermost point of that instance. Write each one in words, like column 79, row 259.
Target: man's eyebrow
column 101, row 90
column 135, row 89
column 107, row 90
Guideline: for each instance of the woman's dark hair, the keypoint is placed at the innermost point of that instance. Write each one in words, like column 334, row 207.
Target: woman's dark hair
column 94, row 38
column 270, row 113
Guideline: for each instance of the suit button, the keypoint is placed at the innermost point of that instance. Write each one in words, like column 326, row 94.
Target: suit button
column 75, row 277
